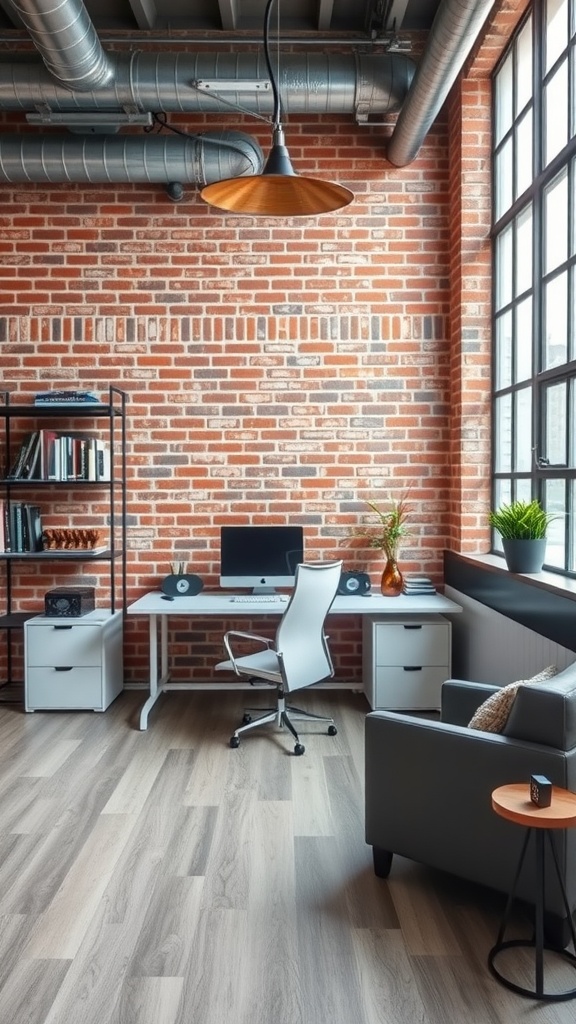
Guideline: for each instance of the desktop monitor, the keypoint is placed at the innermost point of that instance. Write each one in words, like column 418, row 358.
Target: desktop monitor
column 261, row 557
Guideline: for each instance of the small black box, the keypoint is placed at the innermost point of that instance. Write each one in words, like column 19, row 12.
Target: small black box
column 69, row 602
column 540, row 790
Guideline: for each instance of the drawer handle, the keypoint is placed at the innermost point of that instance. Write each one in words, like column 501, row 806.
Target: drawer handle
column 63, row 668
column 412, row 668
column 419, row 626
column 62, row 627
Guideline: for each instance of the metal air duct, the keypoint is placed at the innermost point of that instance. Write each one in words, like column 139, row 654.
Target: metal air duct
column 356, row 84
column 128, row 158
column 67, row 41
column 453, row 33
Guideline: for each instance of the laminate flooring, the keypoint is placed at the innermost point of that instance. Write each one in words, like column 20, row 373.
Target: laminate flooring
column 160, row 877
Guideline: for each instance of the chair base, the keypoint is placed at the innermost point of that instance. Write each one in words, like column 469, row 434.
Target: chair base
column 281, row 715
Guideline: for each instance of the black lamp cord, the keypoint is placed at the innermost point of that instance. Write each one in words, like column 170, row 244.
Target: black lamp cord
column 277, row 116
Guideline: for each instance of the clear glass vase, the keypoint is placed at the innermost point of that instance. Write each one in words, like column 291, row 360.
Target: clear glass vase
column 391, row 582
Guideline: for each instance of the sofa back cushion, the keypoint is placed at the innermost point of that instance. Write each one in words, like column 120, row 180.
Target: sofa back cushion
column 546, row 713
column 492, row 715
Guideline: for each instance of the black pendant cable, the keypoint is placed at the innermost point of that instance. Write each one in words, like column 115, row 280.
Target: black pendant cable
column 278, row 191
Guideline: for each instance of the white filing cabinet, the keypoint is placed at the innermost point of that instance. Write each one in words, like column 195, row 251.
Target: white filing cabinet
column 73, row 663
column 406, row 658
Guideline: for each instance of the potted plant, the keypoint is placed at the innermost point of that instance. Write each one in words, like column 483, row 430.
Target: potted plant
column 523, row 526
column 386, row 536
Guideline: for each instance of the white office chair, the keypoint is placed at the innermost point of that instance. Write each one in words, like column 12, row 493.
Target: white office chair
column 299, row 654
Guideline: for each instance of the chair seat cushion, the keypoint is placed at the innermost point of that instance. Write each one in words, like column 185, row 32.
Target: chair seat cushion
column 263, row 664
column 492, row 715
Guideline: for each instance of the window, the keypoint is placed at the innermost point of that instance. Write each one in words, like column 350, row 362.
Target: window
column 534, row 305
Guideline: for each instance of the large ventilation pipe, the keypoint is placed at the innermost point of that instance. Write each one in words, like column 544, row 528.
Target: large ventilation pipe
column 67, row 41
column 357, row 84
column 453, row 33
column 129, row 158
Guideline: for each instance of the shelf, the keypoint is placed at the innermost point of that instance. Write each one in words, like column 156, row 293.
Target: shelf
column 86, row 555
column 15, row 620
column 18, row 481
column 69, row 411
column 20, row 425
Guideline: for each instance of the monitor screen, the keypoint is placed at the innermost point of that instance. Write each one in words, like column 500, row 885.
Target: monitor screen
column 261, row 557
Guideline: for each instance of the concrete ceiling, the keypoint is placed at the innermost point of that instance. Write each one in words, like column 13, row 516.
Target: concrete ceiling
column 325, row 17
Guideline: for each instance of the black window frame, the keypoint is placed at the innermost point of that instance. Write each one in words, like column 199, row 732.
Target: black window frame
column 534, row 480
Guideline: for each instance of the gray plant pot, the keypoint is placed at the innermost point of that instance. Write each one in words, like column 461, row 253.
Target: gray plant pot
column 524, row 555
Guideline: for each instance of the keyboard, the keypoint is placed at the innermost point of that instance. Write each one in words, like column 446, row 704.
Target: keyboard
column 259, row 598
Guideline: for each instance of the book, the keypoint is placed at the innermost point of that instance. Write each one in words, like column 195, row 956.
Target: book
column 48, row 454
column 417, row 583
column 33, row 528
column 66, row 397
column 18, row 467
column 32, row 467
column 17, row 526
column 102, row 461
column 6, row 526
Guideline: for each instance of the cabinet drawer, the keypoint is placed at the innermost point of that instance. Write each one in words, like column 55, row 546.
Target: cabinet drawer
column 400, row 644
column 74, row 688
column 66, row 644
column 402, row 689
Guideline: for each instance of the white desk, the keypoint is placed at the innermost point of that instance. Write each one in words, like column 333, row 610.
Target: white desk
column 220, row 605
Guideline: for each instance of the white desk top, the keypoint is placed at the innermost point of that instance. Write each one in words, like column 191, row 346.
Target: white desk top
column 219, row 602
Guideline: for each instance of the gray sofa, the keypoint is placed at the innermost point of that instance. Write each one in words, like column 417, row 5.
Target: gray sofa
column 429, row 785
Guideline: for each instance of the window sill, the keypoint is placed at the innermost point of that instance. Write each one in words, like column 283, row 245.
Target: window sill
column 542, row 602
column 550, row 581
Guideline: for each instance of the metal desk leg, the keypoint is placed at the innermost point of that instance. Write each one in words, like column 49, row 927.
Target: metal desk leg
column 156, row 685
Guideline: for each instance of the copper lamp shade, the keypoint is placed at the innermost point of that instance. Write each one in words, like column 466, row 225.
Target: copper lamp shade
column 278, row 191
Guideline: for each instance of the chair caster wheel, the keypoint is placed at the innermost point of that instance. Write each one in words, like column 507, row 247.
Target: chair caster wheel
column 332, row 730
column 234, row 742
column 299, row 749
column 246, row 719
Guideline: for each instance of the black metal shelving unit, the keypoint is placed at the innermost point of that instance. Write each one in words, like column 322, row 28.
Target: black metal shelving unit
column 110, row 417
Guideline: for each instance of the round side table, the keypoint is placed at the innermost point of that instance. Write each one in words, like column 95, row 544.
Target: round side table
column 513, row 803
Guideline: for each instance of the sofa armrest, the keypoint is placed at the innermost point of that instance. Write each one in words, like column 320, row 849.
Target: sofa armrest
column 460, row 699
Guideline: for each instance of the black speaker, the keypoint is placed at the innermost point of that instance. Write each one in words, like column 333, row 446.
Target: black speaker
column 354, row 584
column 181, row 585
column 68, row 602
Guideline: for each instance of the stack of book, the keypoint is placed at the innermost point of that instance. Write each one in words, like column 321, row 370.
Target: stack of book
column 20, row 527
column 70, row 397
column 51, row 455
column 415, row 584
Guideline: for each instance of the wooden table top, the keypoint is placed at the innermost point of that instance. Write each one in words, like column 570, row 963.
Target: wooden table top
column 513, row 803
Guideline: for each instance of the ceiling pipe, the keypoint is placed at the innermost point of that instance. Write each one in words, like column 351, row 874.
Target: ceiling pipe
column 356, row 84
column 128, row 158
column 67, row 41
column 454, row 31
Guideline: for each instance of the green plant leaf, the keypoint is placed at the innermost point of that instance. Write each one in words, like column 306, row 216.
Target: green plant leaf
column 521, row 520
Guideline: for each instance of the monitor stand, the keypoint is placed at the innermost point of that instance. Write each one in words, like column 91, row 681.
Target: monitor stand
column 264, row 590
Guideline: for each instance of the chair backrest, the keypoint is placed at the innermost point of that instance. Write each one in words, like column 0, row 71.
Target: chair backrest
column 301, row 645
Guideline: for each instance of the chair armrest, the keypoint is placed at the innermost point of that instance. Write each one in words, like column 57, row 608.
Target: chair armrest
column 238, row 635
column 460, row 699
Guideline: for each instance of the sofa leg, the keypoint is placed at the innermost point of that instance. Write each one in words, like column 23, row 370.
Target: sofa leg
column 382, row 861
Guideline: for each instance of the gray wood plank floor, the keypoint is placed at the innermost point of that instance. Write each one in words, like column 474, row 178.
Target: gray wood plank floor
column 162, row 878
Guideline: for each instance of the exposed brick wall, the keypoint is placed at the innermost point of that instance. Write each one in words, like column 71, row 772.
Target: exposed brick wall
column 469, row 111
column 275, row 371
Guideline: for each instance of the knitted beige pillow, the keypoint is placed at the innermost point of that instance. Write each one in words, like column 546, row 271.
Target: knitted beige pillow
column 492, row 715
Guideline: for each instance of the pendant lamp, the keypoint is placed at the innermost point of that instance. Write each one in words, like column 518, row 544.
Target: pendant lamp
column 278, row 191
